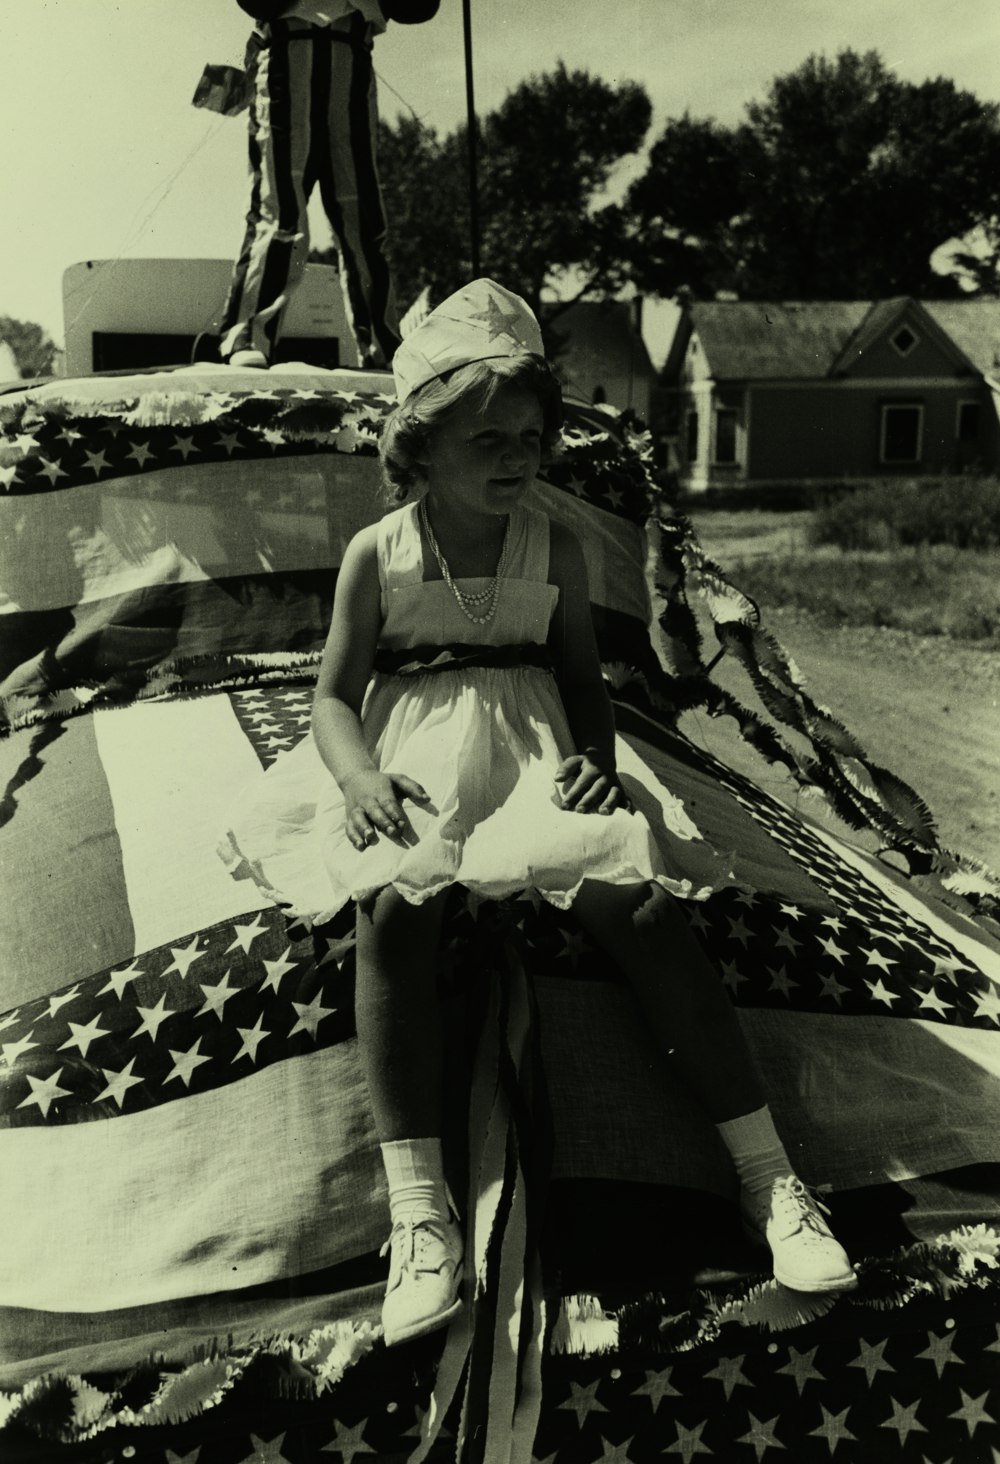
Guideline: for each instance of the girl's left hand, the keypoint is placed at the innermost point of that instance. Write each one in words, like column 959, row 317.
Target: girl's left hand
column 594, row 789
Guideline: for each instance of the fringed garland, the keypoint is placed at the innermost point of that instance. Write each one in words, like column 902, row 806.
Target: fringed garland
column 861, row 793
column 63, row 1408
column 168, row 680
column 964, row 1261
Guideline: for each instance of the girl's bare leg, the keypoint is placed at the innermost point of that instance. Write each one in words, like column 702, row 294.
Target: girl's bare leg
column 686, row 1008
column 679, row 992
column 400, row 1040
column 397, row 1014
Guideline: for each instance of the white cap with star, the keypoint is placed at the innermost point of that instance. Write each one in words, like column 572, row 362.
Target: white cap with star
column 480, row 322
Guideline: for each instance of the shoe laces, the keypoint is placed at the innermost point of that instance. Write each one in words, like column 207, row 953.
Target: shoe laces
column 403, row 1238
column 794, row 1205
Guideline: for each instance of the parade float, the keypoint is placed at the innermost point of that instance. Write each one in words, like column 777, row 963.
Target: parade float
column 190, row 1194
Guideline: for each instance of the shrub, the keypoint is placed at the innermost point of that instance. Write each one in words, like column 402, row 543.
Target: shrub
column 936, row 590
column 963, row 512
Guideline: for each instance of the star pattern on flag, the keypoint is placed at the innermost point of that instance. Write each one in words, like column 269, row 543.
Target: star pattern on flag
column 180, row 1019
column 348, row 1440
column 688, row 1441
column 871, row 1360
column 973, row 1412
column 44, row 1092
column 729, row 1372
column 800, row 1367
column 657, row 1387
column 83, row 1034
column 583, row 1401
column 940, row 1351
column 761, row 1435
column 54, row 457
column 872, row 958
column 904, row 1420
column 834, row 1428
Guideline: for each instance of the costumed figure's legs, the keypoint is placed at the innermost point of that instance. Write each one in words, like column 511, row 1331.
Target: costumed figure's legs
column 400, row 1042
column 352, row 195
column 276, row 242
column 689, row 1016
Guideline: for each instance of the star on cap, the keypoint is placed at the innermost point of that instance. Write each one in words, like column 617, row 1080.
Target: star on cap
column 501, row 322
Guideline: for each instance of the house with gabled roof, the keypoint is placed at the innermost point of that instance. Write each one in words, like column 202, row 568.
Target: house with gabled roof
column 814, row 393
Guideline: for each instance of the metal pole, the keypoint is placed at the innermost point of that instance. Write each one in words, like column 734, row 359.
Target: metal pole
column 471, row 129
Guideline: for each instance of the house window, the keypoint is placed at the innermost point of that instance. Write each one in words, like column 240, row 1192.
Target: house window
column 902, row 432
column 725, row 434
column 904, row 340
column 967, row 422
column 691, row 437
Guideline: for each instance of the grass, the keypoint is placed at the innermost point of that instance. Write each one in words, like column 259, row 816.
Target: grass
column 963, row 512
column 929, row 589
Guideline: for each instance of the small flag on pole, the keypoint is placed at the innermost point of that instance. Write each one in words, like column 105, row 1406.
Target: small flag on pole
column 222, row 89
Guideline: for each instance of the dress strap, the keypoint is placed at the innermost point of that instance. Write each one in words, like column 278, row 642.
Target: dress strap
column 400, row 553
column 529, row 554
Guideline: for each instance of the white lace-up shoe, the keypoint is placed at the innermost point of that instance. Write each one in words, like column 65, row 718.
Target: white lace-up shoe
column 425, row 1270
column 790, row 1221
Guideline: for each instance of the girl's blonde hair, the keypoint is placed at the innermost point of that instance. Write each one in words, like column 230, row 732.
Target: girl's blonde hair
column 408, row 429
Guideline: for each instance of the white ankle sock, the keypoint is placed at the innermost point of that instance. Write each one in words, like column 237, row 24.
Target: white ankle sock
column 414, row 1171
column 756, row 1150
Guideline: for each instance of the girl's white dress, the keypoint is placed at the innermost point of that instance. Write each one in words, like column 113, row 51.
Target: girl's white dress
column 484, row 741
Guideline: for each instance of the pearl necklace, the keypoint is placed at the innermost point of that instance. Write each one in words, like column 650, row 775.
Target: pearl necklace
column 469, row 602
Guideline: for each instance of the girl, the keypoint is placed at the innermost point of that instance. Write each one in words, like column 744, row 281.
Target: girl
column 482, row 753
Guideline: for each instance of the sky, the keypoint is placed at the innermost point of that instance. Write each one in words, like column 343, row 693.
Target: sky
column 104, row 157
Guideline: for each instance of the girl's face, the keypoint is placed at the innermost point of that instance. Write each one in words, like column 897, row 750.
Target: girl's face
column 484, row 459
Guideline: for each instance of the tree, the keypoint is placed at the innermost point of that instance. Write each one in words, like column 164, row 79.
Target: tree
column 840, row 184
column 974, row 260
column 34, row 351
column 545, row 158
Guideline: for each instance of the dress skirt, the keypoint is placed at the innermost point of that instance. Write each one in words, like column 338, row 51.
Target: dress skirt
column 484, row 743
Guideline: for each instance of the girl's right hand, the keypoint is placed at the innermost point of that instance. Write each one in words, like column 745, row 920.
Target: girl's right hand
column 372, row 804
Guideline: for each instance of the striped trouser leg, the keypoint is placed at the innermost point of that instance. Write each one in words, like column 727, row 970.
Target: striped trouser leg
column 276, row 242
column 352, row 197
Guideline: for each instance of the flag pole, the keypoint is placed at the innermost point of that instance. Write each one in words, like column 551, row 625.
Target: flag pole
column 471, row 129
